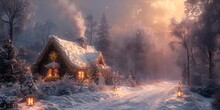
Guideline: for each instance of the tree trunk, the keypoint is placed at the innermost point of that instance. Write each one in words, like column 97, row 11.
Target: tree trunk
column 188, row 70
column 11, row 31
column 91, row 33
column 211, row 64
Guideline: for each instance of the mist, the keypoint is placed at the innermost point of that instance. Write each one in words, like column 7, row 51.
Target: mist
column 132, row 54
column 125, row 17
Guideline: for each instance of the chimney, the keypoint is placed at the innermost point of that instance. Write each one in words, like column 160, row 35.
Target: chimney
column 82, row 42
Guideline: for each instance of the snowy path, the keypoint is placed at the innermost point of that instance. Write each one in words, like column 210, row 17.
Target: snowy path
column 155, row 96
column 147, row 98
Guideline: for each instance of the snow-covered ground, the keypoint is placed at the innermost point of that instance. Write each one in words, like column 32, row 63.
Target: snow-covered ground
column 155, row 96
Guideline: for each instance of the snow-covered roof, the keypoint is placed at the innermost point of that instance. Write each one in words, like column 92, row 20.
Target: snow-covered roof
column 75, row 54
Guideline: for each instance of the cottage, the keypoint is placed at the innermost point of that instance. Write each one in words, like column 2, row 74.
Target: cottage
column 62, row 56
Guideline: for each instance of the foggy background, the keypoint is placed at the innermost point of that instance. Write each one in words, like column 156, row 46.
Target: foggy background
column 67, row 19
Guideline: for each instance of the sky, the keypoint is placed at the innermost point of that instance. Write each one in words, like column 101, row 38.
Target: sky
column 121, row 14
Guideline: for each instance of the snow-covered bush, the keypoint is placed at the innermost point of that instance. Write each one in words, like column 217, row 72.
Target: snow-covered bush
column 64, row 86
column 131, row 82
column 8, row 102
column 119, row 80
column 10, row 91
column 8, row 97
column 93, row 86
column 29, row 87
column 47, row 88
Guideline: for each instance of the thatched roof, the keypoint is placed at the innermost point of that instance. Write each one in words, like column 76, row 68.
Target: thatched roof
column 73, row 54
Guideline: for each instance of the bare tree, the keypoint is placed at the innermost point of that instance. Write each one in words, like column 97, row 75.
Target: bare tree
column 43, row 30
column 197, row 33
column 91, row 28
column 181, row 32
column 14, row 13
column 208, row 32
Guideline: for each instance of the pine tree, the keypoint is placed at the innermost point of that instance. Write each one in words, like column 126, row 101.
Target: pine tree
column 103, row 43
column 28, row 87
column 138, row 51
column 131, row 81
column 10, row 67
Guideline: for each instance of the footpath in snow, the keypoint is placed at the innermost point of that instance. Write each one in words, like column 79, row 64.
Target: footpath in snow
column 156, row 96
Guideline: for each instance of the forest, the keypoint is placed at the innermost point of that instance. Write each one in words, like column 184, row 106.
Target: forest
column 141, row 42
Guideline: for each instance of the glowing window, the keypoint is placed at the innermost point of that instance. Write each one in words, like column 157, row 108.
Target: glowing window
column 81, row 74
column 52, row 73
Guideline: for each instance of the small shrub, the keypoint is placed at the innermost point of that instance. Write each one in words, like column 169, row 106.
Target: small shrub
column 10, row 91
column 65, row 86
column 8, row 102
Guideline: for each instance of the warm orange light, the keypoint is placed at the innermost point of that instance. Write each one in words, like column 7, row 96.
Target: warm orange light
column 179, row 92
column 56, row 73
column 30, row 101
column 100, row 74
column 52, row 74
column 53, row 56
column 81, row 75
column 49, row 73
column 114, row 89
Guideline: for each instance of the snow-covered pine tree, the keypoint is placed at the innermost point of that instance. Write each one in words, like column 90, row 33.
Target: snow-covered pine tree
column 131, row 81
column 10, row 67
column 103, row 42
column 28, row 87
column 116, row 78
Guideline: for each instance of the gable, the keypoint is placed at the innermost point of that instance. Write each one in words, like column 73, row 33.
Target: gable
column 44, row 60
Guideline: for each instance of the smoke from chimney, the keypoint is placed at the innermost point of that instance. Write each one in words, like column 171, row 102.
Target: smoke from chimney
column 74, row 15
